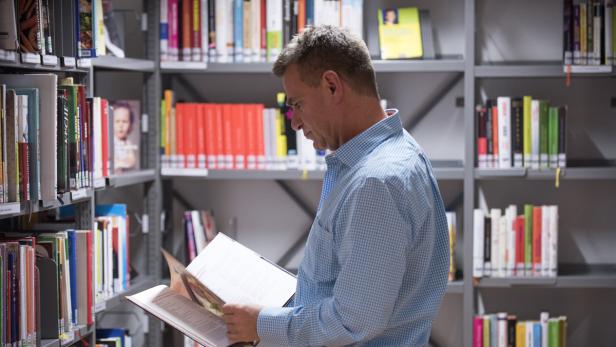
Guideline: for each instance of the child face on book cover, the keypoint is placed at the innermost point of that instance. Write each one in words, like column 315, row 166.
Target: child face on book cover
column 121, row 122
column 313, row 111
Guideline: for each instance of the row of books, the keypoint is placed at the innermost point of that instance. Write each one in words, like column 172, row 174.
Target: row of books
column 245, row 30
column 504, row 330
column 200, row 229
column 54, row 139
column 589, row 36
column 73, row 28
column 233, row 136
column 46, row 286
column 521, row 132
column 512, row 245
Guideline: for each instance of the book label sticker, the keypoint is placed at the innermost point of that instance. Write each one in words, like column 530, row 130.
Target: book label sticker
column 68, row 61
column 10, row 208
column 30, row 58
column 79, row 194
column 50, row 60
column 100, row 182
column 84, row 63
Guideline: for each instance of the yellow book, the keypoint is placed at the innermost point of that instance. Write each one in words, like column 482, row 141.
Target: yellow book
column 520, row 334
column 526, row 114
column 400, row 33
column 486, row 331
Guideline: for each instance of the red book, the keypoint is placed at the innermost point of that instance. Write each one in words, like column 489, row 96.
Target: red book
column 238, row 137
column 251, row 136
column 200, row 128
column 263, row 29
column 105, row 135
column 180, row 138
column 519, row 245
column 260, row 138
column 210, row 135
column 227, row 126
column 537, row 240
column 186, row 30
column 301, row 15
column 495, row 134
column 219, row 139
column 190, row 132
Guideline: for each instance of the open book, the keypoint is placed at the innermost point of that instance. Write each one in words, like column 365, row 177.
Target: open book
column 224, row 272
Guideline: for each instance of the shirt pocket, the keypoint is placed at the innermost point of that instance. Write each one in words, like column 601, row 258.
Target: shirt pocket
column 319, row 262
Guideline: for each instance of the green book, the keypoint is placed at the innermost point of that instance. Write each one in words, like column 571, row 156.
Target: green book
column 528, row 238
column 486, row 331
column 34, row 158
column 553, row 333
column 553, row 137
column 527, row 130
column 543, row 134
column 72, row 134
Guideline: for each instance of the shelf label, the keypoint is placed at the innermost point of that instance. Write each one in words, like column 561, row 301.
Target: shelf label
column 68, row 61
column 100, row 182
column 587, row 68
column 30, row 58
column 10, row 208
column 67, row 337
column 100, row 306
column 84, row 63
column 79, row 194
column 50, row 60
column 145, row 223
column 144, row 123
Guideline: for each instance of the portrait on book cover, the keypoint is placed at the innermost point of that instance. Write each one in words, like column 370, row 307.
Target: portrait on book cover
column 126, row 135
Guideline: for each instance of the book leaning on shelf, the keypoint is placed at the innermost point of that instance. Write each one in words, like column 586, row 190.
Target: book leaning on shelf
column 503, row 329
column 516, row 245
column 521, row 132
column 193, row 301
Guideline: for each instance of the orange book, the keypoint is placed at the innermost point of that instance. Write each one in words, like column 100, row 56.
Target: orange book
column 301, row 15
column 495, row 134
column 238, row 138
column 168, row 105
column 179, row 135
column 260, row 137
column 537, row 240
column 250, row 134
column 220, row 140
column 227, row 127
column 210, row 135
column 190, row 129
column 200, row 128
column 186, row 30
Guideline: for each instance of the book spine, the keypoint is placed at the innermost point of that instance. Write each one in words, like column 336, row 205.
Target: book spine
column 527, row 126
column 255, row 25
column 528, row 239
column 487, row 247
column 583, row 33
column 511, row 240
column 614, row 35
column 489, row 136
column 503, row 240
column 287, row 6
column 534, row 131
column 590, row 32
column 543, row 134
column 211, row 25
column 517, row 121
column 504, row 123
column 250, row 133
column 478, row 239
column 553, row 241
column 238, row 31
column 210, row 137
column 577, row 41
column 502, row 329
column 247, row 32
column 567, row 32
column 495, row 135
column 537, row 231
column 519, row 248
column 553, row 137
column 274, row 29
column 562, row 137
column 597, row 33
column 238, row 141
column 482, row 144
column 478, row 331
column 187, row 30
column 608, row 47
column 201, row 147
column 545, row 231
column 173, row 18
column 164, row 31
column 197, row 26
column 553, row 333
column 260, row 139
column 495, row 215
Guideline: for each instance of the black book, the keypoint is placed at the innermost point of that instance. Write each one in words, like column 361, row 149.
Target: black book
column 487, row 246
column 517, row 131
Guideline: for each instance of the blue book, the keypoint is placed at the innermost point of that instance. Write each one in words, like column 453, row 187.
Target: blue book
column 536, row 334
column 309, row 12
column 238, row 30
column 493, row 331
column 72, row 259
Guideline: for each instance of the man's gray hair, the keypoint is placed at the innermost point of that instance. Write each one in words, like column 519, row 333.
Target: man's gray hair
column 321, row 48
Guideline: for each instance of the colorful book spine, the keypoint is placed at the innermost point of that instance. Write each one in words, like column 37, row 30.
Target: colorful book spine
column 527, row 139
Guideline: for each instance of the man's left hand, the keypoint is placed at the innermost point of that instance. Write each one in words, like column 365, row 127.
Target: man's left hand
column 241, row 322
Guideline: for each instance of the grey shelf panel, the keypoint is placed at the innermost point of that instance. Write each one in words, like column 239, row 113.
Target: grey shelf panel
column 573, row 173
column 446, row 173
column 80, row 332
column 437, row 65
column 532, row 70
column 455, row 287
column 136, row 286
column 17, row 64
column 594, row 276
column 126, row 64
column 26, row 207
column 131, row 178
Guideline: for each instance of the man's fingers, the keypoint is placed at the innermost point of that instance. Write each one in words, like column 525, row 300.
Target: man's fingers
column 229, row 309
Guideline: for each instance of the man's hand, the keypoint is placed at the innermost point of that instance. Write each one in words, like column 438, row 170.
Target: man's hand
column 241, row 322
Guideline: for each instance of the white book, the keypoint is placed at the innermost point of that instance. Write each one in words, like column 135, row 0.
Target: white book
column 529, row 333
column 274, row 29
column 274, row 139
column 198, row 230
column 192, row 303
column 205, row 31
column 503, row 242
column 255, row 31
column 553, row 241
column 504, row 132
column 327, row 12
column 266, row 139
column 352, row 17
column 501, row 326
column 495, row 257
column 510, row 215
column 543, row 319
column 478, row 242
column 230, row 16
column 545, row 246
column 223, row 21
column 534, row 134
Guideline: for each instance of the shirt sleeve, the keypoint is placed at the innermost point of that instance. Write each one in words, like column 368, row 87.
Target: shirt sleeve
column 373, row 241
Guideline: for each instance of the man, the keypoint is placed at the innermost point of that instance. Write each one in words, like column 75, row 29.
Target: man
column 375, row 266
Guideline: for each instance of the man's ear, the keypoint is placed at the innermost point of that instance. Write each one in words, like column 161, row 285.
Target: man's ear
column 333, row 83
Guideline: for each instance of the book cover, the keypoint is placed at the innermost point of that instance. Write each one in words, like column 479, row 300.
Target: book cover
column 126, row 135
column 86, row 39
column 8, row 26
column 400, row 33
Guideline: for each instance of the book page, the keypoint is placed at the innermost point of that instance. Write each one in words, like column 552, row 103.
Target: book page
column 191, row 319
column 238, row 275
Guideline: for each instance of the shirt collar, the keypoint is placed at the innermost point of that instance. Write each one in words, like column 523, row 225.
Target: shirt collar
column 361, row 145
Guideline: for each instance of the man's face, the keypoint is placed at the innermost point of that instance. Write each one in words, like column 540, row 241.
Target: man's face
column 311, row 111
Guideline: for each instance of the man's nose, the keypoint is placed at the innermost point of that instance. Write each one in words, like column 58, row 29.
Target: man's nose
column 296, row 123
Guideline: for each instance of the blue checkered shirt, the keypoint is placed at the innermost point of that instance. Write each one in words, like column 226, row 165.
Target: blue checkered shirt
column 375, row 266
